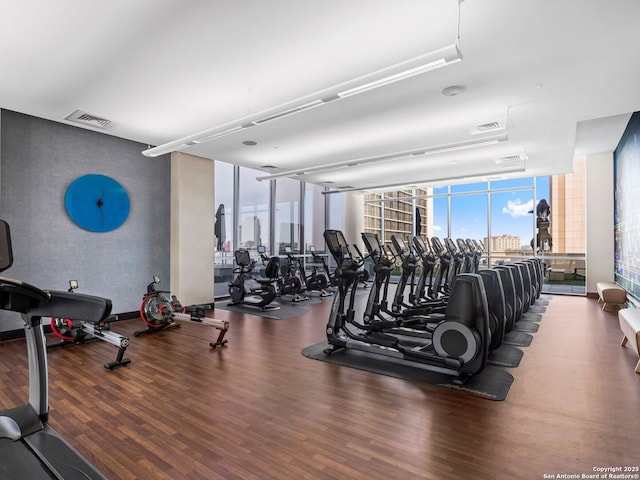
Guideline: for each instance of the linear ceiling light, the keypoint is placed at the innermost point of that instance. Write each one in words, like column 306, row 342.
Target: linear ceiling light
column 518, row 169
column 395, row 73
column 430, row 61
column 433, row 150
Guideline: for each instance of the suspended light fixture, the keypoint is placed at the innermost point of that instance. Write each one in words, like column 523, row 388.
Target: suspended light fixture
column 401, row 71
column 432, row 150
column 431, row 61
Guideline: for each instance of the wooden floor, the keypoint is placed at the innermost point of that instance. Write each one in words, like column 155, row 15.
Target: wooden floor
column 258, row 409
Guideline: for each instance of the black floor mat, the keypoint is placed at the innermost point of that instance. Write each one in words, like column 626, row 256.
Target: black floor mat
column 518, row 339
column 525, row 326
column 506, row 356
column 283, row 312
column 531, row 317
column 537, row 309
column 492, row 382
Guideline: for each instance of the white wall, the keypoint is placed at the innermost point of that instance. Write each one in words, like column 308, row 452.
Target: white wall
column 192, row 228
column 354, row 218
column 599, row 220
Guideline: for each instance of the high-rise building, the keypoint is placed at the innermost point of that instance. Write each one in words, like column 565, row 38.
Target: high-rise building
column 567, row 202
column 398, row 212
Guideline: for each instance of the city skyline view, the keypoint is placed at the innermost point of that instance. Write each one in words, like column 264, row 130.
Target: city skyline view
column 510, row 210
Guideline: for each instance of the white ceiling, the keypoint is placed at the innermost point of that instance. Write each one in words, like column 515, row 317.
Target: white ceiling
column 564, row 75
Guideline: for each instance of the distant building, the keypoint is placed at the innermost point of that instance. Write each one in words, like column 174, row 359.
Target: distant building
column 567, row 201
column 397, row 212
column 503, row 243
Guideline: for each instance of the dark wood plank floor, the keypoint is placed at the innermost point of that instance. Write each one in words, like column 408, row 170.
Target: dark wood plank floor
column 258, row 409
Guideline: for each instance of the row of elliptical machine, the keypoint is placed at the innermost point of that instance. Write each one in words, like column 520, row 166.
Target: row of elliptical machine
column 510, row 289
column 410, row 263
column 458, row 343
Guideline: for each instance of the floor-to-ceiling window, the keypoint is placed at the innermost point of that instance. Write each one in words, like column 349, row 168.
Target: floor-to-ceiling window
column 287, row 215
column 511, row 226
column 503, row 215
column 253, row 210
column 564, row 252
column 223, row 226
column 438, row 223
column 314, row 217
column 250, row 213
column 468, row 210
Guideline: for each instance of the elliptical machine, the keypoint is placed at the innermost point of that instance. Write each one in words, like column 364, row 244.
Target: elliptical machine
column 77, row 332
column 260, row 295
column 459, row 345
column 331, row 276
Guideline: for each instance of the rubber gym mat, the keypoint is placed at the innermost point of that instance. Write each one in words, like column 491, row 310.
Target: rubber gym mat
column 531, row 317
column 505, row 356
column 282, row 313
column 518, row 339
column 537, row 309
column 524, row 326
column 491, row 383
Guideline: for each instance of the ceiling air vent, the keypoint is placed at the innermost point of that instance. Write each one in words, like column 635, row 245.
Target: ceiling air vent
column 486, row 128
column 85, row 118
column 509, row 160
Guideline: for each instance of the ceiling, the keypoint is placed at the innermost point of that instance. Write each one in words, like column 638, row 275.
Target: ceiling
column 560, row 77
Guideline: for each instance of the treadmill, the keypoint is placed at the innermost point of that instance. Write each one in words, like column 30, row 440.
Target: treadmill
column 29, row 447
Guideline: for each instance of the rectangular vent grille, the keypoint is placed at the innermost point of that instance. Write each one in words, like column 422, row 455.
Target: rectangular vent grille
column 509, row 159
column 85, row 118
column 487, row 127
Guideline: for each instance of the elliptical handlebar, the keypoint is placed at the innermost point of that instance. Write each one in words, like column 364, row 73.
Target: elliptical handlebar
column 342, row 254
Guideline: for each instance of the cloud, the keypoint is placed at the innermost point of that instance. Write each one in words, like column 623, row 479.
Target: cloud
column 516, row 208
column 437, row 228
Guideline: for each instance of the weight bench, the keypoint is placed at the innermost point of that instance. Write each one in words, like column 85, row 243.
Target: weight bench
column 629, row 319
column 610, row 293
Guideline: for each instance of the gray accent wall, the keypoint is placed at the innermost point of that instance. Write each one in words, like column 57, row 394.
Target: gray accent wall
column 38, row 160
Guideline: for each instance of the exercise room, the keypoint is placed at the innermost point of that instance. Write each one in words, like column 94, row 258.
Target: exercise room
column 319, row 240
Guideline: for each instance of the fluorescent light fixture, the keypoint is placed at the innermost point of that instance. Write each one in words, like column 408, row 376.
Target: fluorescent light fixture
column 167, row 148
column 465, row 176
column 290, row 111
column 430, row 61
column 219, row 134
column 433, row 150
column 395, row 73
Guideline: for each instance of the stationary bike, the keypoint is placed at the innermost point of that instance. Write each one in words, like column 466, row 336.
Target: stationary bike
column 315, row 281
column 77, row 332
column 260, row 295
column 289, row 282
column 160, row 313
